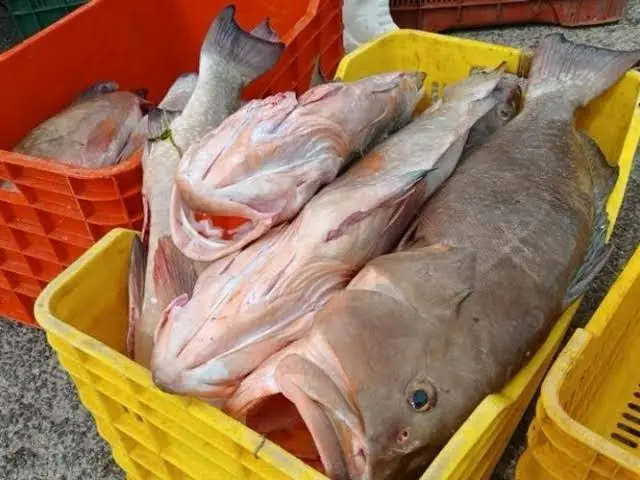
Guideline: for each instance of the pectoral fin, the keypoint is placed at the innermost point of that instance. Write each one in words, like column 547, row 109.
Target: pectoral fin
column 137, row 269
column 173, row 273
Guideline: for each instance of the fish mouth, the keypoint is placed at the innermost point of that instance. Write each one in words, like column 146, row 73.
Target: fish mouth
column 330, row 419
column 204, row 236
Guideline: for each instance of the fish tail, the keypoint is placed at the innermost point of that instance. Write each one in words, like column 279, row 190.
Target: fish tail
column 263, row 30
column 251, row 53
column 580, row 72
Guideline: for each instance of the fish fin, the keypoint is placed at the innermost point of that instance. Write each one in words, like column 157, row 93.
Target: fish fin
column 136, row 140
column 264, row 31
column 475, row 87
column 395, row 196
column 180, row 92
column 159, row 121
column 250, row 54
column 317, row 77
column 598, row 251
column 320, row 92
column 143, row 92
column 580, row 72
column 407, row 274
column 97, row 89
column 173, row 273
column 604, row 175
column 596, row 257
column 146, row 222
column 101, row 137
column 408, row 236
column 137, row 269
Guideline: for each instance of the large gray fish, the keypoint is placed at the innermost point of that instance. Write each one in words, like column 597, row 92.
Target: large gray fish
column 91, row 133
column 247, row 307
column 399, row 360
column 230, row 58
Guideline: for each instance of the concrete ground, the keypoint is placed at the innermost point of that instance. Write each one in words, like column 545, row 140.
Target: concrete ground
column 45, row 434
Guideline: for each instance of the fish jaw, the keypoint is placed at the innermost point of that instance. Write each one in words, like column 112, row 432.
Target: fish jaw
column 204, row 239
column 209, row 358
column 306, row 374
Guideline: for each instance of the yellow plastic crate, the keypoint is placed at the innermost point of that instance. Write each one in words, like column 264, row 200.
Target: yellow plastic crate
column 587, row 424
column 158, row 436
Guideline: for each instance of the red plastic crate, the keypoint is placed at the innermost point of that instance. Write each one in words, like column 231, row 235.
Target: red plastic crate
column 439, row 15
column 60, row 211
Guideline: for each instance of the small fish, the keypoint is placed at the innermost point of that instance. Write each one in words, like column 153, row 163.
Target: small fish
column 266, row 161
column 230, row 58
column 399, row 360
column 91, row 132
column 253, row 304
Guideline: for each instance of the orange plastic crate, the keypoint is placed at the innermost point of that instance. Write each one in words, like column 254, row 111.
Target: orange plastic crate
column 61, row 211
column 439, row 15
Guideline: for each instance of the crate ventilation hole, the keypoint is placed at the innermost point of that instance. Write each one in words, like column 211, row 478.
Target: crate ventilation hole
column 628, row 428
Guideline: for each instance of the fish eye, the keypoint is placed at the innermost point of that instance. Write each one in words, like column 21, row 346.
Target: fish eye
column 504, row 113
column 422, row 397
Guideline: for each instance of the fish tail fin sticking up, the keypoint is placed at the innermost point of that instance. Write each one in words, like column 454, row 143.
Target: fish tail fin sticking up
column 137, row 269
column 604, row 179
column 252, row 53
column 263, row 30
column 579, row 72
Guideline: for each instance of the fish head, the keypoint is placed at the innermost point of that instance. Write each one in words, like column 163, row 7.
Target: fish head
column 400, row 382
column 401, row 91
column 375, row 380
column 508, row 95
column 222, row 199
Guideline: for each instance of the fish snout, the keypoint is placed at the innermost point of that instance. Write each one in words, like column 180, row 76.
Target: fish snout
column 417, row 78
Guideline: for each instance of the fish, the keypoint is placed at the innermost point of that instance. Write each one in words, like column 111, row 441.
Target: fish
column 91, row 132
column 230, row 58
column 250, row 305
column 175, row 100
column 396, row 362
column 267, row 160
column 509, row 92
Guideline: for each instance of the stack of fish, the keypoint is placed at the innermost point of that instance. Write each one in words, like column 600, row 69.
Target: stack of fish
column 351, row 278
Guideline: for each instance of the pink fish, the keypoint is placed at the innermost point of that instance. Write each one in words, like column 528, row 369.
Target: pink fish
column 92, row 132
column 254, row 303
column 230, row 58
column 267, row 160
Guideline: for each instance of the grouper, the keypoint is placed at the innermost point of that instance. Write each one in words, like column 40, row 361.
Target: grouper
column 393, row 365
